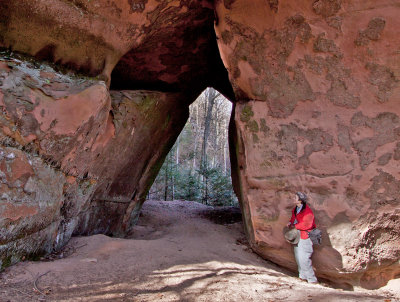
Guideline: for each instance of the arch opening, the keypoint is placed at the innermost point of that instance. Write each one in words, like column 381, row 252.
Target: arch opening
column 197, row 167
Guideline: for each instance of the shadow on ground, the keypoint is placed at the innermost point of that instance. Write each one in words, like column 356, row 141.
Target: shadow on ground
column 175, row 254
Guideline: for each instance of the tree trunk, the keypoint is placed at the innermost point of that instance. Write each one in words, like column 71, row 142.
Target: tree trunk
column 173, row 186
column 211, row 95
column 225, row 157
column 195, row 138
column 177, row 150
column 166, row 181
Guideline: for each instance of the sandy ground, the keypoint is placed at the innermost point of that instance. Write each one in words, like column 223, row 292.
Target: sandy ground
column 174, row 254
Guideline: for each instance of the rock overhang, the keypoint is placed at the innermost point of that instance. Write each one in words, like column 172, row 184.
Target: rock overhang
column 166, row 45
column 316, row 85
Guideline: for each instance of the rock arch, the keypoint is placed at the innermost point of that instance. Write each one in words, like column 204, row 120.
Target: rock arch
column 315, row 86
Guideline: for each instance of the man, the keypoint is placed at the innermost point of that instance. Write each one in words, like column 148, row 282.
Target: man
column 303, row 220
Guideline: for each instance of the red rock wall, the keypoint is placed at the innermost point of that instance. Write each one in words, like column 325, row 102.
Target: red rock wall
column 316, row 84
column 317, row 90
column 158, row 45
column 104, row 148
column 75, row 158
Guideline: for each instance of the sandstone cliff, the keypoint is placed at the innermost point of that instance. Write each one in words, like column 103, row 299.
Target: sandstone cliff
column 315, row 88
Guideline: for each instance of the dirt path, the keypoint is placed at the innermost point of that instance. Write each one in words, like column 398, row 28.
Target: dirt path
column 174, row 254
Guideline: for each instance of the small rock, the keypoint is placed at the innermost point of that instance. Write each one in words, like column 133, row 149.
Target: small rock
column 93, row 260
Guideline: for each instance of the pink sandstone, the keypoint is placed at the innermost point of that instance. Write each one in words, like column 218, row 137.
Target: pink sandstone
column 315, row 92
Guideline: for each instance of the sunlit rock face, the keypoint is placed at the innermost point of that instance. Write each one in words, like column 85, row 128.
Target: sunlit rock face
column 318, row 111
column 315, row 85
column 82, row 142
column 74, row 157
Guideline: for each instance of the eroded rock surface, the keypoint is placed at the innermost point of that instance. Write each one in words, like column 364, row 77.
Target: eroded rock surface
column 145, row 44
column 317, row 90
column 74, row 157
column 104, row 148
column 316, row 85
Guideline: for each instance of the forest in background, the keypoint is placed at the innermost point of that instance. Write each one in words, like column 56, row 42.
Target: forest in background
column 198, row 168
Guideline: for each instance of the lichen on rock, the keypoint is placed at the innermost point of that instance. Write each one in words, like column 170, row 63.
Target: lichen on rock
column 314, row 110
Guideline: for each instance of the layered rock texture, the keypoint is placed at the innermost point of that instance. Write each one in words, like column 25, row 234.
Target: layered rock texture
column 315, row 87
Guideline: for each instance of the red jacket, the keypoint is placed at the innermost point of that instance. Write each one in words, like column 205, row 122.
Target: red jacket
column 305, row 221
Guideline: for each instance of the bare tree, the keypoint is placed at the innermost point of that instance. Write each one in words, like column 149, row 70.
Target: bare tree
column 201, row 149
column 211, row 95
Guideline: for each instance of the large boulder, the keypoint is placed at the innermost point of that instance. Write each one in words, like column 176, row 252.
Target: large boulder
column 74, row 157
column 317, row 110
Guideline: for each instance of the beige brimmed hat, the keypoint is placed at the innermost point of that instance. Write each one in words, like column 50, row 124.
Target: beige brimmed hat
column 292, row 236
